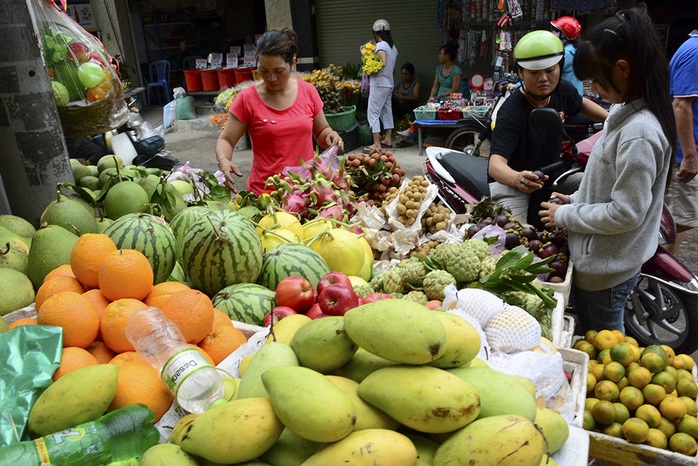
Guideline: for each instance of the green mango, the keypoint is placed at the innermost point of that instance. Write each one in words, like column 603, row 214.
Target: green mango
column 367, row 415
column 323, row 345
column 167, row 454
column 290, row 450
column 79, row 396
column 362, row 364
column 271, row 354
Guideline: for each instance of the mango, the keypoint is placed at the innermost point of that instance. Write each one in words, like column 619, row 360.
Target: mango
column 500, row 393
column 505, row 439
column 397, row 329
column 362, row 364
column 271, row 354
column 284, row 330
column 167, row 454
column 463, row 342
column 323, row 345
column 290, row 450
column 423, row 398
column 554, row 426
column 51, row 247
column 233, row 432
column 369, row 447
column 426, row 449
column 181, row 426
column 309, row 404
column 80, row 396
column 367, row 415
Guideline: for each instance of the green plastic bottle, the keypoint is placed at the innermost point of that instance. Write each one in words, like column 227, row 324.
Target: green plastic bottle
column 118, row 436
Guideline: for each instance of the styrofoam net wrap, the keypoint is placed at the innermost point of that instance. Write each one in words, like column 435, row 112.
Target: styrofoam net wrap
column 480, row 304
column 513, row 330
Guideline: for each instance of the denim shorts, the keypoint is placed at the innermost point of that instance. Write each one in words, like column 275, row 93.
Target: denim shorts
column 603, row 309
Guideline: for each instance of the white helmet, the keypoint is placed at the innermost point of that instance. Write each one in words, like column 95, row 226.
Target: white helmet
column 381, row 25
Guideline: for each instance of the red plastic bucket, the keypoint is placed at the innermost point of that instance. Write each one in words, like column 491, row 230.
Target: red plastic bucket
column 243, row 74
column 193, row 80
column 226, row 77
column 209, row 79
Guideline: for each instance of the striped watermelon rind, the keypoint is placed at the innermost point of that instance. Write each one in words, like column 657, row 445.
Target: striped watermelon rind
column 181, row 223
column 245, row 302
column 150, row 235
column 290, row 259
column 221, row 249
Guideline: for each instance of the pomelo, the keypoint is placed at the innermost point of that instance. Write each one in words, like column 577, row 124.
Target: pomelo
column 18, row 293
column 125, row 197
column 109, row 161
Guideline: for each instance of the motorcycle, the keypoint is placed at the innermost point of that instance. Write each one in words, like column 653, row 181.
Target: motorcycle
column 663, row 307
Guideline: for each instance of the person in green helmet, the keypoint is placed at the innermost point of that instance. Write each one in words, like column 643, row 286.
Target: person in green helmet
column 520, row 147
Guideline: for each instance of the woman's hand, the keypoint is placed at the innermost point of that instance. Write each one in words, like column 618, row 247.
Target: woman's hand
column 547, row 212
column 228, row 168
column 529, row 182
column 334, row 139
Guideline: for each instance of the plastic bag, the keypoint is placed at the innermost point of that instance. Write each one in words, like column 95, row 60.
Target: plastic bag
column 365, row 85
column 169, row 113
column 86, row 86
column 184, row 104
column 30, row 354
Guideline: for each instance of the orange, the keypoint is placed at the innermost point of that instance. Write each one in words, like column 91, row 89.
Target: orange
column 221, row 341
column 75, row 313
column 101, row 351
column 23, row 321
column 164, row 289
column 73, row 358
column 191, row 311
column 220, row 317
column 87, row 255
column 140, row 383
column 95, row 295
column 125, row 273
column 61, row 271
column 605, row 339
column 128, row 356
column 56, row 285
column 114, row 321
column 203, row 353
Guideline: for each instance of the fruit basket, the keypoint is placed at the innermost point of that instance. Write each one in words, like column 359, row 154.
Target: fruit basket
column 80, row 120
column 424, row 113
column 342, row 121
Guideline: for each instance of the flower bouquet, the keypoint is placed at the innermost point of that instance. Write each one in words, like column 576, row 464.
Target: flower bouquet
column 370, row 63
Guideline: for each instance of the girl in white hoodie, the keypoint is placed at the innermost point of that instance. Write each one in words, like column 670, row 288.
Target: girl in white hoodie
column 613, row 219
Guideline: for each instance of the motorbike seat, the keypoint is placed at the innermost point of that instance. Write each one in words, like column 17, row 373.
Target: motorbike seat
column 468, row 171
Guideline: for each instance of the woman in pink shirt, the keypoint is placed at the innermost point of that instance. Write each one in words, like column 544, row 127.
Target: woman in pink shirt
column 281, row 115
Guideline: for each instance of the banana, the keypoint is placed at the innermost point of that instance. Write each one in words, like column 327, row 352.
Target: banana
column 397, row 329
column 309, row 404
column 323, row 345
column 371, row 447
column 271, row 354
column 505, row 439
column 234, row 432
column 423, row 398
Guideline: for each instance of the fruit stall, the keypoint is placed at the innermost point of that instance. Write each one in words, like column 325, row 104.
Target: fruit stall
column 343, row 309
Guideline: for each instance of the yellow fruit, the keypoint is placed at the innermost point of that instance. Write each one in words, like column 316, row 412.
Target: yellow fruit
column 639, row 377
column 653, row 393
column 656, row 438
column 273, row 238
column 605, row 339
column 649, row 414
column 606, row 390
column 341, row 249
column 683, row 443
column 672, row 408
column 280, row 219
column 631, row 397
column 314, row 227
column 604, row 412
column 635, row 430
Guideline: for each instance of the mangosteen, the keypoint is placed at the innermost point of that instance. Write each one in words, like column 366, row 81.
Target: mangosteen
column 511, row 240
column 559, row 267
column 535, row 245
column 473, row 229
column 540, row 175
column 510, row 225
column 486, row 221
column 502, row 220
column 529, row 232
column 548, row 251
column 559, row 237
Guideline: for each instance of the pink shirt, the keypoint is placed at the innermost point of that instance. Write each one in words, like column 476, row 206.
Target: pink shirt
column 280, row 138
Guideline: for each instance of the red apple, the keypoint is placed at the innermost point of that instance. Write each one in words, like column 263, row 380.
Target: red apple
column 315, row 312
column 336, row 300
column 279, row 313
column 334, row 278
column 296, row 293
column 373, row 297
column 79, row 51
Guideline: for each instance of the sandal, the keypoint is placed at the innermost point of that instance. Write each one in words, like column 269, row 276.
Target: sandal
column 369, row 150
column 403, row 143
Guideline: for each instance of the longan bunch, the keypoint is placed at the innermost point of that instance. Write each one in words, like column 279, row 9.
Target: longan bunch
column 424, row 249
column 374, row 174
column 436, row 218
column 411, row 200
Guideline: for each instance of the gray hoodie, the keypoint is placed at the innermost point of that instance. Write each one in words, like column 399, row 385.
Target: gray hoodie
column 613, row 219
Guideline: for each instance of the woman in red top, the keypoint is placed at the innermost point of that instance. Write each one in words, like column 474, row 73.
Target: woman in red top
column 281, row 115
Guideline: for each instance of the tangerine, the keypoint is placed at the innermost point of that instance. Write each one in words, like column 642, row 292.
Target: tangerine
column 666, row 380
column 588, row 422
column 604, row 412
column 586, row 347
column 221, row 318
column 623, row 354
column 114, row 321
column 87, row 255
column 653, row 393
column 688, row 361
column 666, row 426
column 631, row 397
column 606, row 390
column 688, row 425
column 73, row 358
column 683, row 443
column 687, row 387
column 656, row 438
column 653, row 361
column 75, row 314
column 95, row 295
column 635, row 430
column 639, row 376
column 590, row 336
column 672, row 408
column 125, row 273
column 140, row 383
column 650, row 414
column 622, row 412
column 691, row 406
column 614, row 430
column 613, row 371
column 669, row 353
column 605, row 339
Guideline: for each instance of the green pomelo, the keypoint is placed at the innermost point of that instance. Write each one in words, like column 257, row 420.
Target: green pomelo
column 89, row 182
column 19, row 291
column 14, row 254
column 17, row 225
column 80, row 171
column 149, row 183
column 183, row 187
column 109, row 161
column 103, row 223
column 126, row 197
column 170, row 211
column 69, row 214
column 93, row 170
column 51, row 247
column 106, row 175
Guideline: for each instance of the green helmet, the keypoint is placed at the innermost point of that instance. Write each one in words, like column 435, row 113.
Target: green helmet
column 538, row 50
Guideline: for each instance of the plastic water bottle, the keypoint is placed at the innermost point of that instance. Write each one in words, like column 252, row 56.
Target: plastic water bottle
column 194, row 382
column 121, row 435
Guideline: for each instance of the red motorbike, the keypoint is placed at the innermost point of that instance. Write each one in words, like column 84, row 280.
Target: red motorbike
column 663, row 307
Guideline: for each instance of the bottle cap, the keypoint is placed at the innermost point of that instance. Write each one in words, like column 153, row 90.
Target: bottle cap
column 217, row 403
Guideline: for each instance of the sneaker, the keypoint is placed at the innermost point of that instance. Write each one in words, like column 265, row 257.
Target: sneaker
column 404, row 133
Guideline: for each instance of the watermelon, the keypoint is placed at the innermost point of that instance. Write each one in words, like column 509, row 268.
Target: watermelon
column 245, row 302
column 150, row 235
column 220, row 249
column 292, row 259
column 181, row 223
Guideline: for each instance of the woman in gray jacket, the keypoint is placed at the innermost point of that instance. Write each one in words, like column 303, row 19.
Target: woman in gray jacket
column 613, row 219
